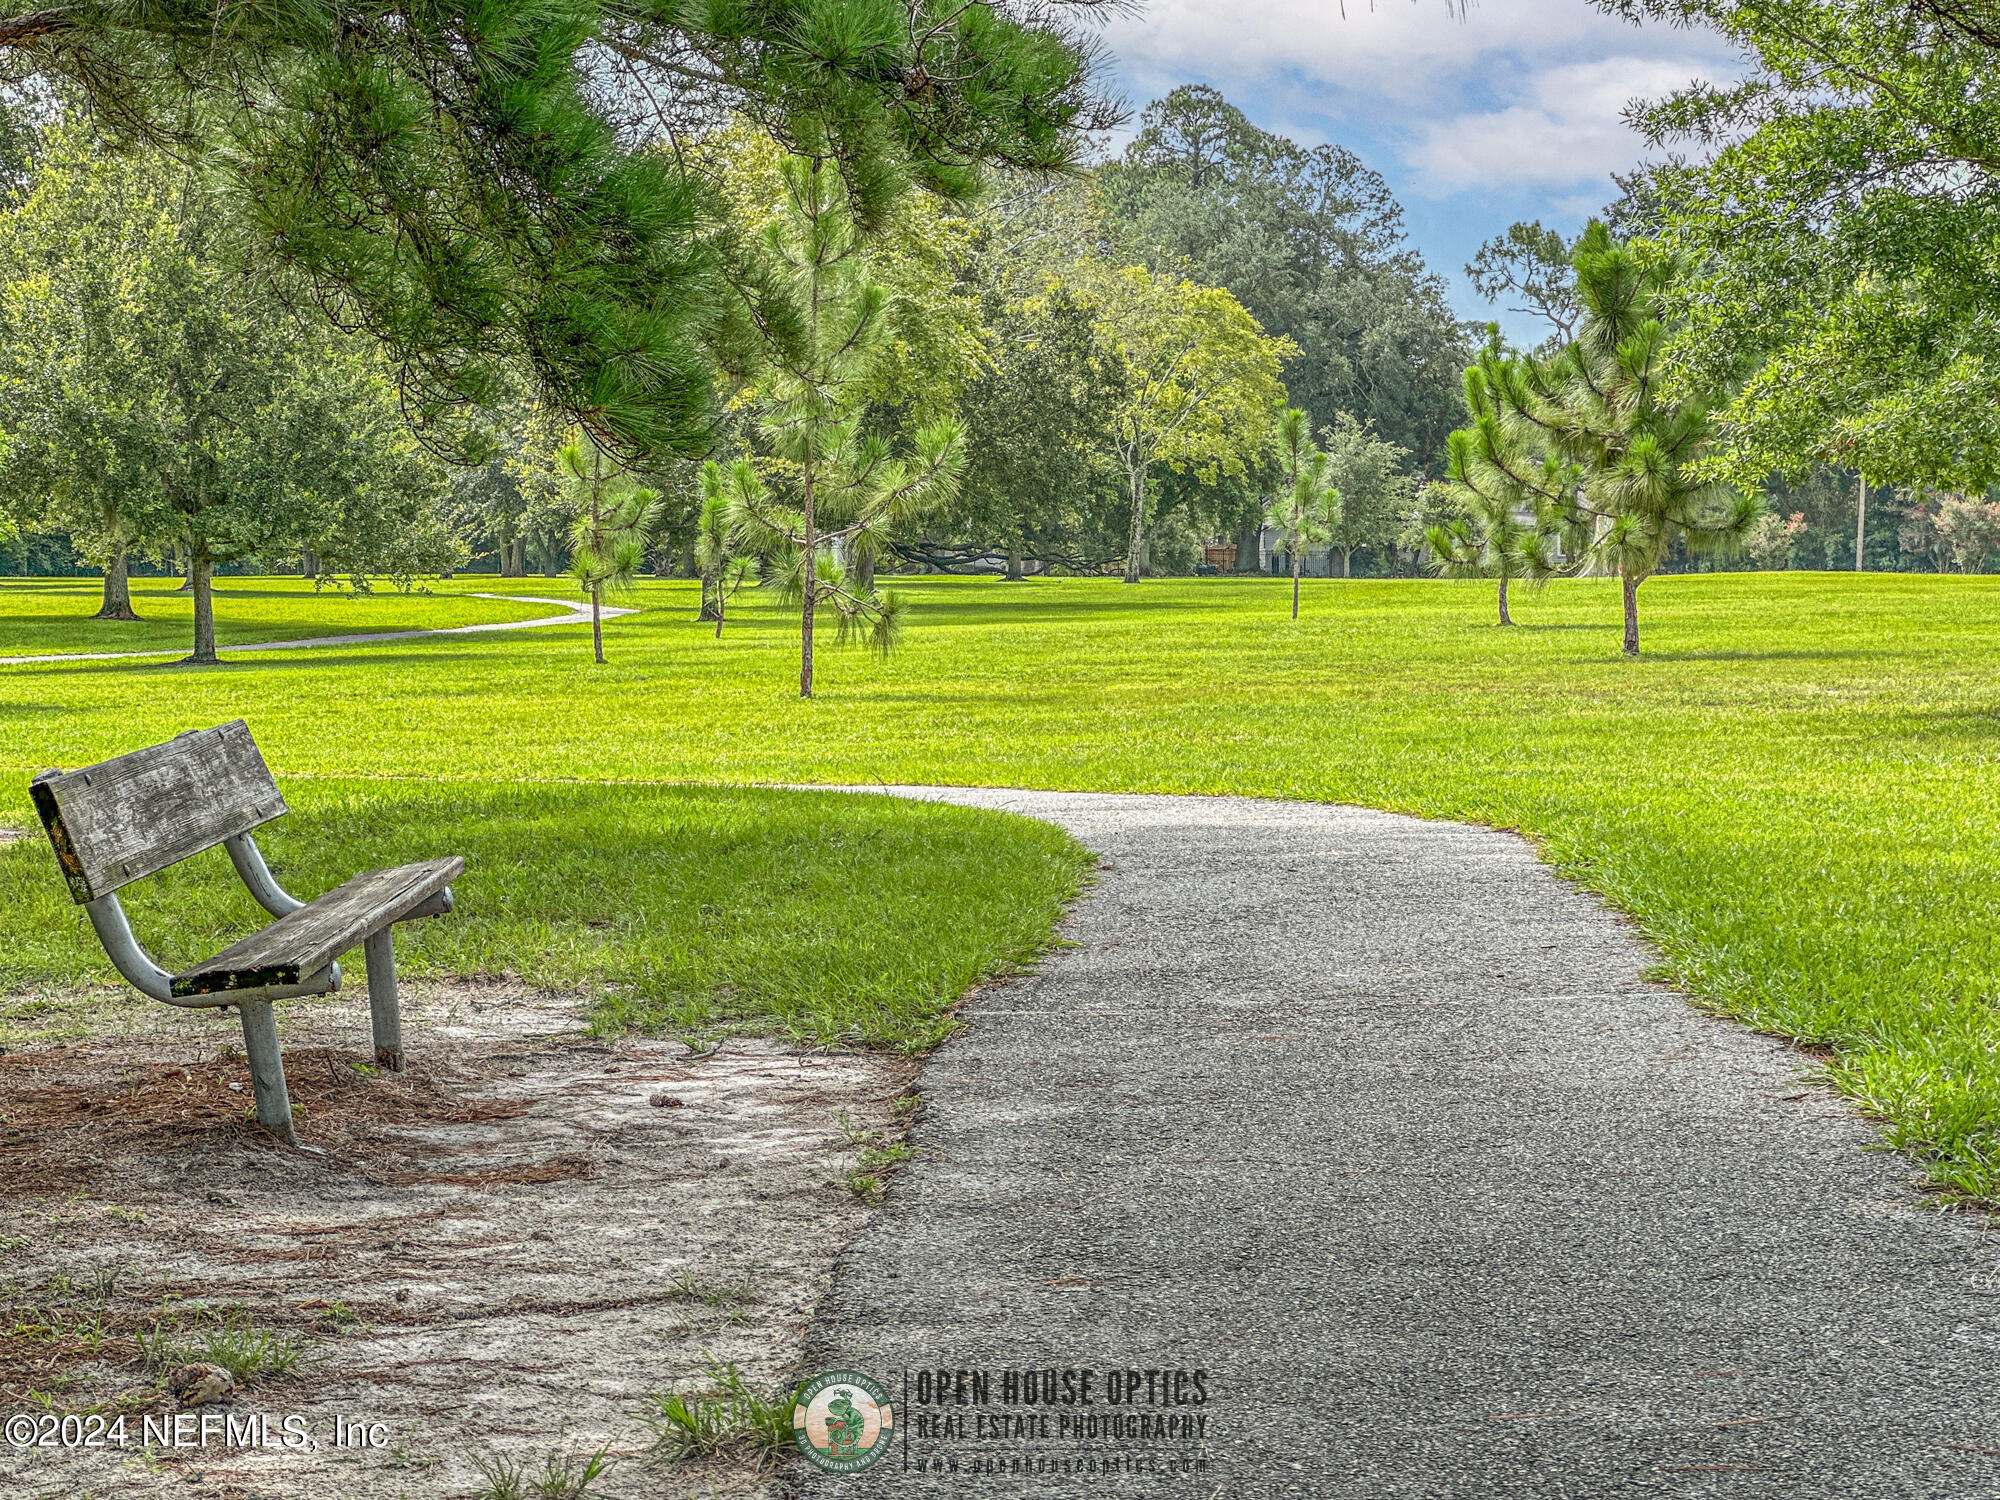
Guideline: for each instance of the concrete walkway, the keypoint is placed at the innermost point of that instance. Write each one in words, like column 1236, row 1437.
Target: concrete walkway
column 1374, row 1122
column 573, row 614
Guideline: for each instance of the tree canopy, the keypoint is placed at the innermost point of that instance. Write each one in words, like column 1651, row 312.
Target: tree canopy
column 1842, row 231
column 1200, row 383
column 153, row 398
column 479, row 184
column 1312, row 242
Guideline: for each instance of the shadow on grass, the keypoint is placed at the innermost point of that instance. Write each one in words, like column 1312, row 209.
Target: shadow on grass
column 281, row 659
column 1723, row 656
column 814, row 914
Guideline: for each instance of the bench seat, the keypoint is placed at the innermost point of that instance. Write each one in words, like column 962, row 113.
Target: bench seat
column 305, row 941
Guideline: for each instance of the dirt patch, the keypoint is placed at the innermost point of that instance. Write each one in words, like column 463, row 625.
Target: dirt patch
column 498, row 1254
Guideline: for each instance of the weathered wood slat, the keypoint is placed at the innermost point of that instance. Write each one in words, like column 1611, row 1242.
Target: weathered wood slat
column 120, row 820
column 296, row 946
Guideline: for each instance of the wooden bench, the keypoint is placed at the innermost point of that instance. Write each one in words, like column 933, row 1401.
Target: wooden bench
column 121, row 820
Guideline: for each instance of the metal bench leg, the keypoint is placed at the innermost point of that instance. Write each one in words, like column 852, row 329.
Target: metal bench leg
column 267, row 1069
column 383, row 1008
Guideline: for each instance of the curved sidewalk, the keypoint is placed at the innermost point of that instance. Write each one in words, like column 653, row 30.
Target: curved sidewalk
column 576, row 614
column 1375, row 1122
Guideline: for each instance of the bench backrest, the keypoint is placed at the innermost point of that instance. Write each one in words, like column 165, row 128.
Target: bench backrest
column 120, row 820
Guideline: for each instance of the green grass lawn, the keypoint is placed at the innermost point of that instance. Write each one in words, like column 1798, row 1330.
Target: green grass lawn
column 1794, row 792
column 45, row 616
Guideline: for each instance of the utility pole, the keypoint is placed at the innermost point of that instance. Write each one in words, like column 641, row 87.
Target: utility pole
column 1860, row 523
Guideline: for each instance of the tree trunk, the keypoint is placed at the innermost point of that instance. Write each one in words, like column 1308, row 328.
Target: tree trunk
column 806, row 643
column 1505, row 618
column 1015, row 558
column 711, row 599
column 200, row 575
column 1860, row 524
column 596, row 627
column 1247, row 549
column 184, row 560
column 721, row 608
column 810, row 562
column 1298, row 563
column 1631, row 613
column 117, row 588
column 514, row 557
column 1135, row 546
column 308, row 563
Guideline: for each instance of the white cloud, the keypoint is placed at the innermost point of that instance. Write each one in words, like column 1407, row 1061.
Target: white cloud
column 1399, row 48
column 1521, row 92
column 1566, row 130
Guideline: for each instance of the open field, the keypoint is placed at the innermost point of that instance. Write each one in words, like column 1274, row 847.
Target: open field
column 1795, row 792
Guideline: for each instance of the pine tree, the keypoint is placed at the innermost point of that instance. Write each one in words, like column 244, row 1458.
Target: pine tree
column 825, row 480
column 1507, row 484
column 1306, row 508
column 1589, row 444
column 478, row 184
column 615, row 519
column 723, row 569
column 1637, row 448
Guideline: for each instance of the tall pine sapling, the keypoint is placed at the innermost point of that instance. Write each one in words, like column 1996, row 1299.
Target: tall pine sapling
column 1590, row 444
column 825, row 482
column 1638, row 449
column 1507, row 484
column 615, row 519
column 1306, row 508
column 716, row 556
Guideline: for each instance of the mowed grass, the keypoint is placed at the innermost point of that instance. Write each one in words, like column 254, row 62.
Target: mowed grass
column 1794, row 792
column 819, row 915
column 45, row 616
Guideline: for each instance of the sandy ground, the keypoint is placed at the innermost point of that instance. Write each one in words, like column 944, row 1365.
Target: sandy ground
column 501, row 1252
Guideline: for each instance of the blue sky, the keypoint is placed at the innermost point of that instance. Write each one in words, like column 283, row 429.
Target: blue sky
column 1510, row 114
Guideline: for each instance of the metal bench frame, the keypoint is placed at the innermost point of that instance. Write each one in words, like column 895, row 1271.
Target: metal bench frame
column 95, row 881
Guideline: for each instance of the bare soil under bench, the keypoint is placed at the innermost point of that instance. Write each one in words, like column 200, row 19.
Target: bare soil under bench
column 501, row 1251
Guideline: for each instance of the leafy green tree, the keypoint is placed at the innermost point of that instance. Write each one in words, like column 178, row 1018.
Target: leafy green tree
column 1969, row 526
column 1312, row 242
column 1037, row 447
column 477, row 185
column 1200, row 383
column 826, row 480
column 1774, row 539
column 515, row 489
column 615, row 518
column 76, row 453
column 1532, row 265
column 1306, row 506
column 1375, row 485
column 1842, row 232
column 144, row 373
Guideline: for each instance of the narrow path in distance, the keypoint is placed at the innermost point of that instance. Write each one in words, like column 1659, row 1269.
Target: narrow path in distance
column 576, row 614
column 1376, row 1124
